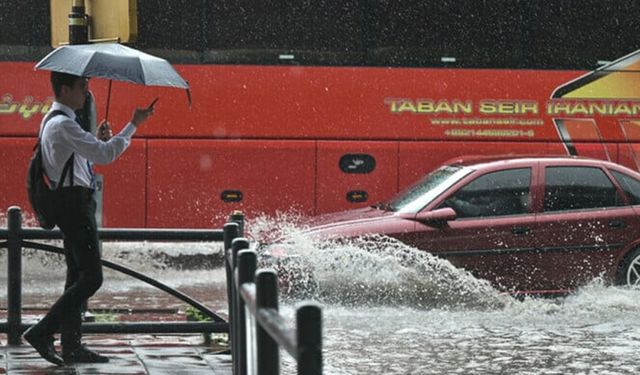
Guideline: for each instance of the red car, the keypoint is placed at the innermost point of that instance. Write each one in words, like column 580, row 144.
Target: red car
column 527, row 224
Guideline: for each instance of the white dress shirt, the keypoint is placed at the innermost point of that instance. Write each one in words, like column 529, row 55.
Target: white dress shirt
column 63, row 136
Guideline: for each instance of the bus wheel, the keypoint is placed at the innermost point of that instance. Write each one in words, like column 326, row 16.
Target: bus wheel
column 629, row 271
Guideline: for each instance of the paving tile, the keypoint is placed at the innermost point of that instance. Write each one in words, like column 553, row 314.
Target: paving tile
column 3, row 361
column 163, row 360
column 220, row 363
column 128, row 354
column 120, row 367
column 24, row 359
column 51, row 371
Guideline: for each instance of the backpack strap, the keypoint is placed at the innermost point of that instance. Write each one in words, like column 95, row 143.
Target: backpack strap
column 70, row 162
column 48, row 117
column 67, row 166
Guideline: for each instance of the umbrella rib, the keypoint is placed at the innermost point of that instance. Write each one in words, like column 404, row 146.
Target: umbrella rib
column 144, row 72
column 87, row 62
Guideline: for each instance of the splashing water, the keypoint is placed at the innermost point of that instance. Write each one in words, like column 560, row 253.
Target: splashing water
column 374, row 270
column 268, row 228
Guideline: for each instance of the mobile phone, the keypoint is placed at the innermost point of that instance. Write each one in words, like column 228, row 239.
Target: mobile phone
column 153, row 103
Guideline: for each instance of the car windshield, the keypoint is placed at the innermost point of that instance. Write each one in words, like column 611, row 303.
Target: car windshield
column 426, row 190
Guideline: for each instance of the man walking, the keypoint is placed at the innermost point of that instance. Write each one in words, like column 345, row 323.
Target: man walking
column 68, row 153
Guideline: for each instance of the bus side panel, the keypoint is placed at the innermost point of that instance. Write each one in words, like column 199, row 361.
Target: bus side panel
column 15, row 154
column 198, row 183
column 367, row 174
column 124, row 188
column 602, row 151
column 420, row 158
column 365, row 103
column 597, row 150
column 629, row 150
column 124, row 183
column 629, row 155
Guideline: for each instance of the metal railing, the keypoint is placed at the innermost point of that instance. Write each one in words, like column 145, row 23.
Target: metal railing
column 16, row 238
column 257, row 328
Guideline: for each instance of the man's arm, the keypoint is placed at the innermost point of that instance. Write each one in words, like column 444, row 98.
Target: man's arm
column 87, row 145
column 99, row 151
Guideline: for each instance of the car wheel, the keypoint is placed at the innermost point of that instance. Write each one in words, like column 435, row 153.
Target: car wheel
column 629, row 273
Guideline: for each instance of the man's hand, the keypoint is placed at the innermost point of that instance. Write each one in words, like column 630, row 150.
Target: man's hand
column 140, row 115
column 104, row 131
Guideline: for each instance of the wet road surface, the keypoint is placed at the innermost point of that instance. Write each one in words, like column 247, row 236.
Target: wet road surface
column 139, row 354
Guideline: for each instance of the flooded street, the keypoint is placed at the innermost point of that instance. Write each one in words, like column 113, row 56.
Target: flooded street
column 395, row 310
column 594, row 332
column 388, row 309
column 193, row 269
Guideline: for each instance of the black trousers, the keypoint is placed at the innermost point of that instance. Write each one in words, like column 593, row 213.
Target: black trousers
column 84, row 269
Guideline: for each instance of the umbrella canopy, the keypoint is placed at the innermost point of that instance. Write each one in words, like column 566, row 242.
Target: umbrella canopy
column 112, row 61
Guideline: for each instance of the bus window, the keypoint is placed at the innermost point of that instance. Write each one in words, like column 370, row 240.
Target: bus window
column 582, row 137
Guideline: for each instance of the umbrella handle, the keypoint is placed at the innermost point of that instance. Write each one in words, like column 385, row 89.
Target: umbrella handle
column 106, row 113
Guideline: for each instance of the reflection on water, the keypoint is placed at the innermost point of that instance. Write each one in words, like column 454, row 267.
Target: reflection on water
column 594, row 331
column 390, row 309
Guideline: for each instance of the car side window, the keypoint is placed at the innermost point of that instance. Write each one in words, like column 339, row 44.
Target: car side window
column 577, row 188
column 499, row 193
column 630, row 185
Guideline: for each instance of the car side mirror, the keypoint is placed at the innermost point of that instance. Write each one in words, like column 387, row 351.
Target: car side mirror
column 436, row 218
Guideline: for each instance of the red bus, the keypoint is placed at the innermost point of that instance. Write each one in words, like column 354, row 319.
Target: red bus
column 315, row 138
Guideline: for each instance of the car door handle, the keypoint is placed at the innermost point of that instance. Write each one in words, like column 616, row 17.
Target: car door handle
column 616, row 224
column 520, row 231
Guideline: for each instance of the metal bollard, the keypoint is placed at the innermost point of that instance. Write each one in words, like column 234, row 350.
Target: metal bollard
column 238, row 217
column 267, row 298
column 14, row 275
column 247, row 263
column 309, row 337
column 236, row 245
column 230, row 232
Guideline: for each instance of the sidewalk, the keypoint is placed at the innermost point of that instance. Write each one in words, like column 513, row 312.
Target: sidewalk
column 129, row 354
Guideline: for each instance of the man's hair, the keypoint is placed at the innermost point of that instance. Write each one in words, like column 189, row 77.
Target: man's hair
column 62, row 79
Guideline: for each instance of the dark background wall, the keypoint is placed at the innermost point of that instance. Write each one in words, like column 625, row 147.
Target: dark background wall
column 478, row 33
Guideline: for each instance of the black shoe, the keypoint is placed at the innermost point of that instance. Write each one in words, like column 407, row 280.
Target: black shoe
column 83, row 355
column 43, row 344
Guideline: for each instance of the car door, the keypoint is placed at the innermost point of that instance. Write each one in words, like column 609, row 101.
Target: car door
column 584, row 225
column 492, row 229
